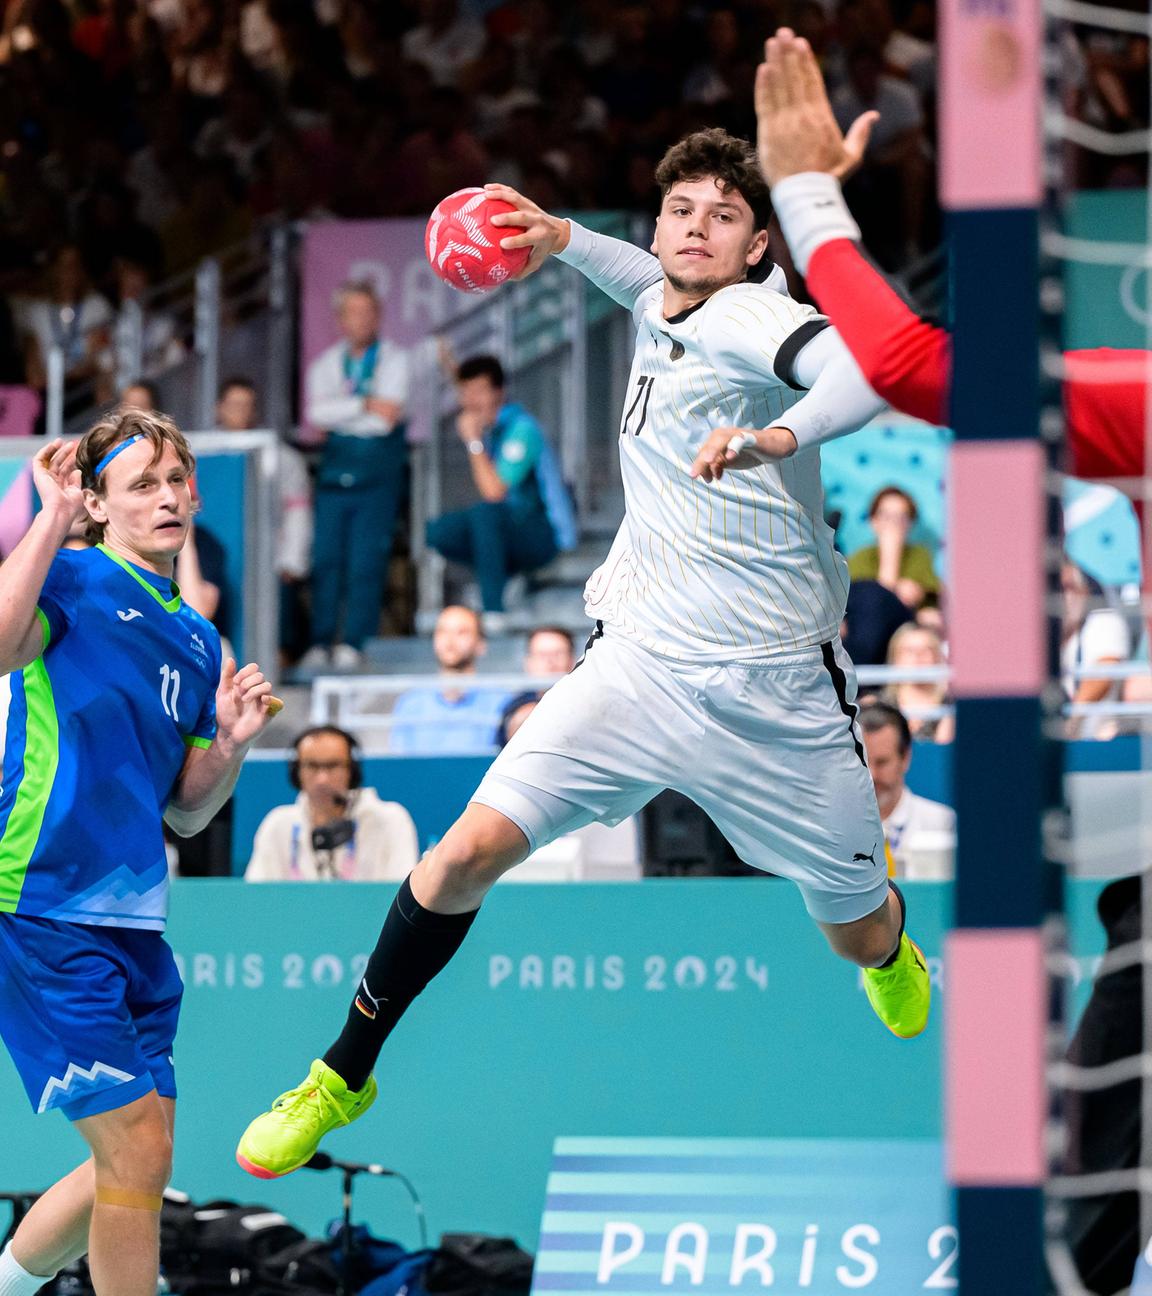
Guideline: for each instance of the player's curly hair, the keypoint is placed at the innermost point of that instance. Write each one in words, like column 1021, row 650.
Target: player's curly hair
column 729, row 160
column 116, row 427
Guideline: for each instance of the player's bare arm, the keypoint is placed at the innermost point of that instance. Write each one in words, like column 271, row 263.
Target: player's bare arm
column 22, row 574
column 543, row 233
column 796, row 129
column 244, row 705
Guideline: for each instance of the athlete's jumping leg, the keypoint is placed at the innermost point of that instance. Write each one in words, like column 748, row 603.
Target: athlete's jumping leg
column 425, row 926
column 895, row 973
column 871, row 941
column 132, row 1159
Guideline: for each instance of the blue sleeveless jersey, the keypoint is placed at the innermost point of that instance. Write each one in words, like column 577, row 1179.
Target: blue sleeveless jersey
column 98, row 729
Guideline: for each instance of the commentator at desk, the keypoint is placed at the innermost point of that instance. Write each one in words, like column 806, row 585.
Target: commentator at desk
column 336, row 829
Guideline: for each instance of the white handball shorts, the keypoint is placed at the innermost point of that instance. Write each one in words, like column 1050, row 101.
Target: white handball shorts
column 769, row 749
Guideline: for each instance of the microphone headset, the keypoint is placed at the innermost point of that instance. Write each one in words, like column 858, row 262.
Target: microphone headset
column 355, row 768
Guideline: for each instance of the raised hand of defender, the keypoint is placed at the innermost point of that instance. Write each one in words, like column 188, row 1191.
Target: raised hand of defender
column 542, row 233
column 244, row 702
column 57, row 480
column 739, row 449
column 796, row 129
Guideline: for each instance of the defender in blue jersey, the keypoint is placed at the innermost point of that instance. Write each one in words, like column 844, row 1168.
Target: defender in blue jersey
column 122, row 715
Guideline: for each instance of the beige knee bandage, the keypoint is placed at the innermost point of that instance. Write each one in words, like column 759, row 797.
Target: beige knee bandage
column 128, row 1197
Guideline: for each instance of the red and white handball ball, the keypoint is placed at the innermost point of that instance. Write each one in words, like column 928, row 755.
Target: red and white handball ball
column 463, row 245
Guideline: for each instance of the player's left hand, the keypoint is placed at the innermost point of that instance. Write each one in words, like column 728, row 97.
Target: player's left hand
column 244, row 702
column 741, row 448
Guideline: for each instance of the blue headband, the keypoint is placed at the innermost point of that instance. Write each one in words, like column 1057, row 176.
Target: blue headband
column 115, row 451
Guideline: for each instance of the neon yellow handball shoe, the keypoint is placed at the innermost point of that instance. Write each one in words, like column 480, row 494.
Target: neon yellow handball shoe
column 901, row 994
column 283, row 1139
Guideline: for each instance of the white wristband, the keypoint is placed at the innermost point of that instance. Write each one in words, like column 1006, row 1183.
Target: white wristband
column 812, row 212
column 741, row 441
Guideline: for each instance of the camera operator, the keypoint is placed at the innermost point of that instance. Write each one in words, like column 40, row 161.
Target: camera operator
column 335, row 830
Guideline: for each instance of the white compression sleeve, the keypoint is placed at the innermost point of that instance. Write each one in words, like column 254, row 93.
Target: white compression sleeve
column 621, row 269
column 838, row 400
column 812, row 212
column 15, row 1280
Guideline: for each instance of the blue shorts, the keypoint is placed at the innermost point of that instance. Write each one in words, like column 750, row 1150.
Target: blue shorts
column 88, row 1013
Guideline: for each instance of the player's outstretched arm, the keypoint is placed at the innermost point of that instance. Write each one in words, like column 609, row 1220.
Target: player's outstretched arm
column 244, row 705
column 803, row 156
column 23, row 573
column 620, row 269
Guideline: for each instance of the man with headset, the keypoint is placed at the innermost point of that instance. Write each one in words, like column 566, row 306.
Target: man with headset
column 336, row 829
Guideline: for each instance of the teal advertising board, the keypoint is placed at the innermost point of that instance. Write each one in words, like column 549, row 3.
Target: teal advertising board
column 648, row 1217
column 659, row 1009
column 1107, row 305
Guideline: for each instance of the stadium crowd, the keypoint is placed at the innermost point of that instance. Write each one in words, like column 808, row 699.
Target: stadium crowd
column 137, row 136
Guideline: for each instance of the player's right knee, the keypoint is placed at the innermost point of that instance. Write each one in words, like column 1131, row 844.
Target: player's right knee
column 140, row 1162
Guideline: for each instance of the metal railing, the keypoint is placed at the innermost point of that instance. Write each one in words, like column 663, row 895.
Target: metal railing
column 363, row 703
column 234, row 310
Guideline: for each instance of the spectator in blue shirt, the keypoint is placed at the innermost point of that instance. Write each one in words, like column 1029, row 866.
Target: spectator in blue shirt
column 459, row 721
column 525, row 515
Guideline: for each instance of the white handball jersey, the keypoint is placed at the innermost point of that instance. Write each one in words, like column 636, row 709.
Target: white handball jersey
column 726, row 570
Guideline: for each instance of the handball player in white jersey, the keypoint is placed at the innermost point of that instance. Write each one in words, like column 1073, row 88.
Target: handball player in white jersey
column 715, row 667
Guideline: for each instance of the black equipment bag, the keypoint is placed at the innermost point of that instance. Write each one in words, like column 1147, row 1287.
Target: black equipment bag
column 474, row 1264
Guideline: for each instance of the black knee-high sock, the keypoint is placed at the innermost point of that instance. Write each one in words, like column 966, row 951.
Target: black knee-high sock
column 903, row 916
column 415, row 944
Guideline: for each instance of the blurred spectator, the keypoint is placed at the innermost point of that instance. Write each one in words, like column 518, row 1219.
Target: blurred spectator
column 715, row 79
column 525, row 514
column 243, row 131
column 457, row 721
column 112, row 230
column 212, row 217
column 889, row 194
column 12, row 373
column 443, row 157
column 917, row 645
column 1089, row 636
column 237, row 410
column 445, row 41
column 920, row 833
column 160, row 172
column 872, row 616
column 141, row 395
column 70, row 316
column 336, row 829
column 199, row 573
column 236, row 405
column 515, row 712
column 159, row 343
column 905, row 569
column 548, row 654
column 1108, row 76
column 357, row 392
column 549, row 651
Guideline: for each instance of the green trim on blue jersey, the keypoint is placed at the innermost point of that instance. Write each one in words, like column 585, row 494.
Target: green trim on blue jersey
column 169, row 605
column 41, row 755
column 46, row 627
column 194, row 740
